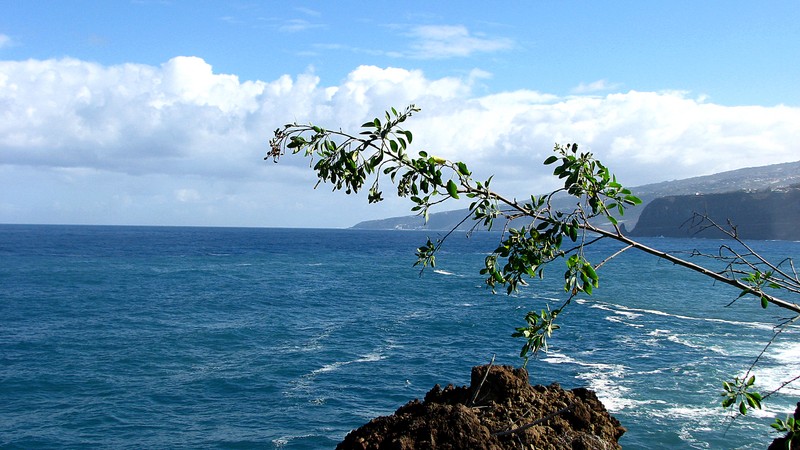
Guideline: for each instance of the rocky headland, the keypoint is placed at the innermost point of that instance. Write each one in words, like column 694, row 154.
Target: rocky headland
column 499, row 410
column 764, row 200
column 769, row 214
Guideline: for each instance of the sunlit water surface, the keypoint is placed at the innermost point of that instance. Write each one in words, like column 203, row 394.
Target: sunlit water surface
column 140, row 337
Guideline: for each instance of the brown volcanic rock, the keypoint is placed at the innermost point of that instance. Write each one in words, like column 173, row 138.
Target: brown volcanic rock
column 448, row 419
column 780, row 443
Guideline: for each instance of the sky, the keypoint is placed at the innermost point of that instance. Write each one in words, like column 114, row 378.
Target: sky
column 137, row 112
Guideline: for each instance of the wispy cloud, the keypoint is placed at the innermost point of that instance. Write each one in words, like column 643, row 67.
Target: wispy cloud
column 448, row 41
column 297, row 25
column 231, row 20
column 595, row 86
column 308, row 11
column 5, row 41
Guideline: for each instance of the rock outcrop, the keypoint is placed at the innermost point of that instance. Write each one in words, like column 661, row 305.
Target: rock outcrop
column 780, row 443
column 499, row 410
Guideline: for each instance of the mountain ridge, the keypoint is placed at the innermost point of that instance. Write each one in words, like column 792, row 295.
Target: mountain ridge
column 750, row 179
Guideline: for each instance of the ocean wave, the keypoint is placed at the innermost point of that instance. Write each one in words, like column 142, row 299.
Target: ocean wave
column 283, row 441
column 626, row 313
column 620, row 309
column 617, row 319
column 659, row 332
column 602, row 379
column 786, row 353
column 780, row 364
column 698, row 346
column 370, row 357
column 442, row 272
column 315, row 343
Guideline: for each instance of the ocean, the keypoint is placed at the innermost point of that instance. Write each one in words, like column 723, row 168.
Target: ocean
column 174, row 337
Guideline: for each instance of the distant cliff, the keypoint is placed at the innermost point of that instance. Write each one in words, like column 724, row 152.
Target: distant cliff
column 770, row 214
column 765, row 178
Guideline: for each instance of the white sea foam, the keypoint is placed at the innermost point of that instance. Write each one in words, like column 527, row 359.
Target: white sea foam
column 315, row 343
column 620, row 316
column 602, row 379
column 659, row 332
column 685, row 342
column 781, row 364
column 558, row 358
column 698, row 413
column 617, row 319
column 754, row 325
column 284, row 440
column 443, row 272
column 328, row 367
column 622, row 312
column 787, row 353
column 370, row 357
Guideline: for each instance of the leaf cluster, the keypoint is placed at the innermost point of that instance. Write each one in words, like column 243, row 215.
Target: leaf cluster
column 739, row 390
column 349, row 162
column 539, row 328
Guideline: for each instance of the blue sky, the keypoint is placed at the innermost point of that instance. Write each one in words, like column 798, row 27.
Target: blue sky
column 158, row 112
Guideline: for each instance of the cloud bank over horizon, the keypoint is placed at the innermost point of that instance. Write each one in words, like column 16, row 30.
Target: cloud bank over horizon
column 112, row 143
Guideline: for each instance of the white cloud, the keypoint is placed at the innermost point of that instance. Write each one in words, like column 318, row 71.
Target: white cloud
column 447, row 41
column 180, row 144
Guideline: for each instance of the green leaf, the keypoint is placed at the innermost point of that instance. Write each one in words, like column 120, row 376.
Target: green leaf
column 550, row 160
column 452, row 189
column 573, row 233
column 764, row 302
column 632, row 199
column 743, row 408
column 590, row 272
column 462, row 169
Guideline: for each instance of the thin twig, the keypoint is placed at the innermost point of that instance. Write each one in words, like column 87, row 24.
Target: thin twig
column 781, row 386
column 612, row 256
column 477, row 391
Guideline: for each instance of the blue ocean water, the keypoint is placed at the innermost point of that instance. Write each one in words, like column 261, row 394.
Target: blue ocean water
column 157, row 337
